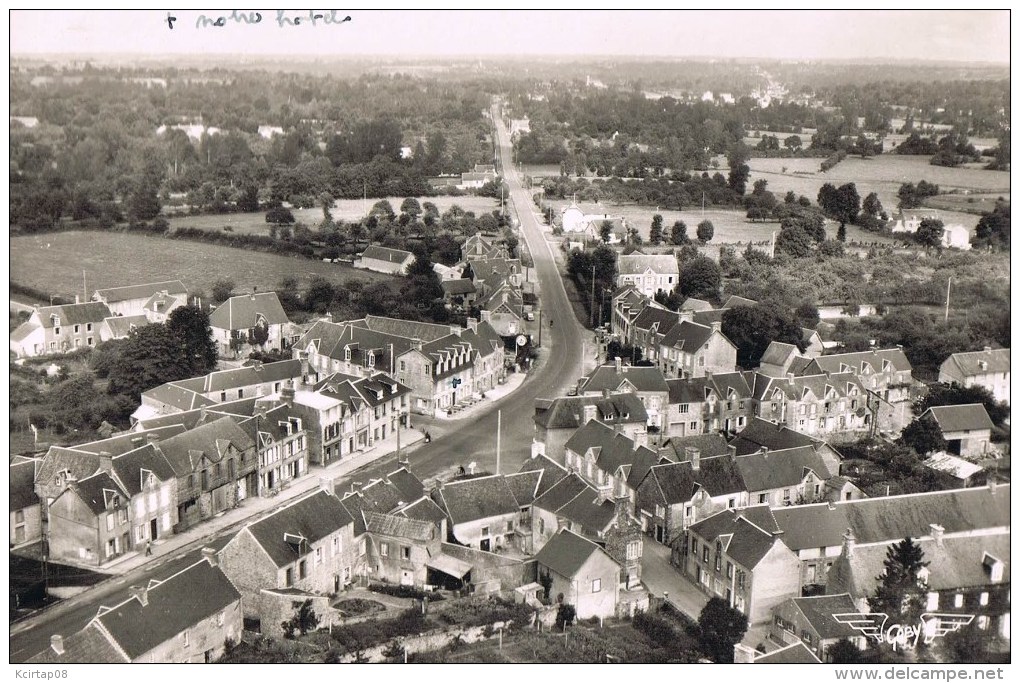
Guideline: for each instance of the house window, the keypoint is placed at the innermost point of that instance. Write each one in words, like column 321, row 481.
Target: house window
column 762, row 498
column 688, row 510
column 933, row 601
column 56, row 331
column 729, row 570
column 223, row 396
column 90, row 341
column 541, row 526
column 186, row 637
column 318, row 556
column 240, row 393
column 633, row 550
column 427, row 369
column 685, row 408
column 77, row 329
column 694, row 426
column 660, row 511
column 694, row 546
column 302, row 569
column 336, row 545
column 510, row 526
column 362, row 547
column 718, row 556
column 596, row 585
column 731, row 503
column 88, row 327
column 485, row 531
column 384, row 550
column 122, row 515
column 786, row 495
column 289, row 577
column 958, row 600
column 403, row 366
column 740, row 580
column 984, row 599
column 109, row 521
column 705, row 553
column 405, row 552
column 982, row 622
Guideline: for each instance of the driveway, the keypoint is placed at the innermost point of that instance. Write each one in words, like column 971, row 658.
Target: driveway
column 661, row 577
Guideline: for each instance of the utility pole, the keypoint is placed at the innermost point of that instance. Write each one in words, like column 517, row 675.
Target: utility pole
column 84, row 288
column 499, row 426
column 593, row 295
column 949, row 286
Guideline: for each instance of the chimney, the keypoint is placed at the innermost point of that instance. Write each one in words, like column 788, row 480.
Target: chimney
column 605, row 393
column 57, row 643
column 765, row 452
column 141, row 593
column 687, row 316
column 326, row 484
column 416, row 344
column 537, row 448
column 604, row 493
column 209, row 555
column 105, row 461
column 619, row 364
column 694, row 456
column 708, row 374
column 937, row 530
column 328, row 317
column 982, row 365
column 152, row 437
column 287, row 393
column 305, row 370
column 832, row 505
column 789, row 377
column 849, row 542
column 717, row 325
column 471, row 467
column 733, row 452
column 991, row 484
column 988, row 349
column 640, row 438
column 589, row 413
column 486, row 316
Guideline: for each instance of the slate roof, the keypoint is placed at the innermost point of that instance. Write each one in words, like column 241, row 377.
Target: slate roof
column 607, row 378
column 130, row 468
column 561, row 493
column 967, row 364
column 688, row 336
column 961, row 418
column 523, row 485
column 797, row 653
column 566, row 553
column 690, row 390
column 386, row 254
column 22, row 485
column 312, row 517
column 95, row 490
column 160, row 303
column 174, row 605
column 121, row 326
column 567, row 412
column 400, row 526
column 615, row 451
column 708, row 317
column 875, row 520
column 693, row 304
column 410, row 486
column 959, row 563
column 764, row 471
column 177, row 396
column 635, row 264
column 475, row 499
column 128, row 441
column 74, row 314
column 742, row 540
column 652, row 315
column 778, row 353
column 739, row 301
column 458, row 287
column 405, row 328
column 818, row 611
column 551, row 471
column 115, row 294
column 210, row 440
column 678, row 482
column 708, row 445
column 424, row 509
column 759, row 432
column 856, row 361
column 241, row 312
column 587, row 511
column 223, row 380
column 87, row 646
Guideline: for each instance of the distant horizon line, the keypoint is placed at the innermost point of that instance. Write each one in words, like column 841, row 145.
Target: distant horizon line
column 495, row 56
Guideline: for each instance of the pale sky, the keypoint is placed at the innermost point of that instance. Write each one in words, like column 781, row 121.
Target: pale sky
column 912, row 34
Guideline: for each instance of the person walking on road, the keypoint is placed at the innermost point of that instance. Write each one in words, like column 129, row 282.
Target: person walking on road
column 148, row 548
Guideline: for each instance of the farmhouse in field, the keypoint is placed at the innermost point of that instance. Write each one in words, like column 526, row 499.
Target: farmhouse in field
column 385, row 260
column 988, row 368
column 59, row 329
column 136, row 299
column 234, row 322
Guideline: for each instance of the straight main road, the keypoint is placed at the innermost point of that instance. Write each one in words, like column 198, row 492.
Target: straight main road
column 453, row 443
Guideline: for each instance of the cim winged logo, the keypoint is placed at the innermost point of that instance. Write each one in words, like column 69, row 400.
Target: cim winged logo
column 932, row 625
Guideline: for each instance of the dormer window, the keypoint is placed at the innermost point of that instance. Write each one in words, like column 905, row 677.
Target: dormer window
column 347, row 354
column 371, row 359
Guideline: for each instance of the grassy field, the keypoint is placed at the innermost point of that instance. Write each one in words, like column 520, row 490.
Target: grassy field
column 966, row 203
column 54, row 263
column 343, row 209
column 882, row 174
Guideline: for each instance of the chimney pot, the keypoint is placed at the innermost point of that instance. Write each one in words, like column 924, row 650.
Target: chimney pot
column 618, row 363
column 105, row 462
column 991, row 485
column 209, row 555
column 733, row 452
column 937, row 530
column 988, row 349
column 57, row 643
column 326, row 484
column 832, row 505
column 694, row 455
column 849, row 541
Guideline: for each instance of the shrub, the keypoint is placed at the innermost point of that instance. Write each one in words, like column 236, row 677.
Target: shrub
column 404, row 592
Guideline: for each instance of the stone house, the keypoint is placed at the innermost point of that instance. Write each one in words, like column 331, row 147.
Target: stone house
column 966, row 428
column 810, row 621
column 648, row 384
column 582, row 573
column 988, row 368
column 482, row 511
column 133, row 299
column 234, row 321
column 648, row 274
column 385, row 260
column 25, row 510
column 59, row 329
column 557, row 419
column 609, row 460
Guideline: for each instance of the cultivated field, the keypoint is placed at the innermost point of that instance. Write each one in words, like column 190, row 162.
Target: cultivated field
column 54, row 263
column 343, row 209
column 882, row 174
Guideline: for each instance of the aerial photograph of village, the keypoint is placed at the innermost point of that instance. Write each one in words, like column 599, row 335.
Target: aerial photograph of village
column 506, row 337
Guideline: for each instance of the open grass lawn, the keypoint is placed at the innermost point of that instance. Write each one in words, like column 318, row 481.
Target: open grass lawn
column 343, row 209
column 882, row 174
column 966, row 203
column 54, row 263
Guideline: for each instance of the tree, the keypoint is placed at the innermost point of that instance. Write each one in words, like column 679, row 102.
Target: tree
column 843, row 651
column 143, row 202
column 872, row 206
column 967, row 645
column 700, row 278
column 807, row 314
column 565, row 616
column 929, row 233
column 190, row 326
column 720, row 627
column 384, row 209
column 606, row 231
column 222, row 290
column 279, row 215
column 899, row 592
column 411, row 207
column 793, row 142
column 258, row 335
column 304, row 620
column 841, row 233
column 678, row 234
column 655, row 233
column 912, row 197
column 705, row 231
column 753, row 328
column 794, row 241
column 993, row 228
column 739, row 170
column 842, row 204
column 923, row 435
column 152, row 355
